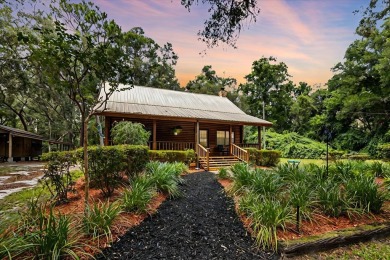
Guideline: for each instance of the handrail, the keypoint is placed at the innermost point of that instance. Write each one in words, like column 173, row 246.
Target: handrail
column 165, row 145
column 203, row 152
column 240, row 153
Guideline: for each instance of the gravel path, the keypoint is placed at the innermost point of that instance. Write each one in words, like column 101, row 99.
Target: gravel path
column 200, row 225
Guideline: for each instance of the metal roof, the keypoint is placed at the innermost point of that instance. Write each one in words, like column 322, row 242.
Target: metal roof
column 21, row 133
column 168, row 103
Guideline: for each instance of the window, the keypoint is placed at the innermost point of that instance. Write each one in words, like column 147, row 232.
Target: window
column 203, row 140
column 223, row 137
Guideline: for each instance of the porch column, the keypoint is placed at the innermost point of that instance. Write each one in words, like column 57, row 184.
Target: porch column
column 259, row 136
column 196, row 144
column 10, row 159
column 154, row 147
column 230, row 140
column 106, row 130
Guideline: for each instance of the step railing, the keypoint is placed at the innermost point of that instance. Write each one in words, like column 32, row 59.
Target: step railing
column 204, row 154
column 240, row 153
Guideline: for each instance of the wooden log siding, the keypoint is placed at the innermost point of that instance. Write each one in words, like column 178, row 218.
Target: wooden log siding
column 164, row 130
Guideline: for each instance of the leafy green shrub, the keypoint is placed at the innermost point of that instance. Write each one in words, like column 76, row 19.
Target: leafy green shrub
column 263, row 157
column 57, row 176
column 164, row 177
column 359, row 157
column 292, row 145
column 105, row 166
column 138, row 196
column 334, row 155
column 223, row 173
column 98, row 219
column 186, row 156
column 136, row 158
column 126, row 132
column 383, row 151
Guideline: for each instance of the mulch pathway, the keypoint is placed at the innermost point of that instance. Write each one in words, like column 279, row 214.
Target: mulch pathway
column 202, row 224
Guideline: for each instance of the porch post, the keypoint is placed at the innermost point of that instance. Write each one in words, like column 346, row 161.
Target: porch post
column 10, row 159
column 154, row 135
column 106, row 131
column 230, row 140
column 196, row 144
column 259, row 136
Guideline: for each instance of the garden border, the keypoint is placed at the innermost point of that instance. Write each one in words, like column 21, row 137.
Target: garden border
column 334, row 242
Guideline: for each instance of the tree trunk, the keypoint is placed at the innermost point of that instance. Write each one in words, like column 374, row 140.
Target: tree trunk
column 101, row 140
column 86, row 173
column 82, row 130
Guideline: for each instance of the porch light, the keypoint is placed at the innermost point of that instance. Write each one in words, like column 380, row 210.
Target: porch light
column 177, row 130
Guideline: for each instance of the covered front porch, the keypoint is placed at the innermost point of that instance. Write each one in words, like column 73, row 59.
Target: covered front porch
column 210, row 140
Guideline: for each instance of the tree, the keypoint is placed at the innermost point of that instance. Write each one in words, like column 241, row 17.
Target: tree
column 359, row 104
column 269, row 83
column 208, row 82
column 226, row 20
column 80, row 55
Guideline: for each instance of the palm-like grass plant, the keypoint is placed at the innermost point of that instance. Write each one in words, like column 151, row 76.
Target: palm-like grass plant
column 139, row 195
column 242, row 176
column 98, row 219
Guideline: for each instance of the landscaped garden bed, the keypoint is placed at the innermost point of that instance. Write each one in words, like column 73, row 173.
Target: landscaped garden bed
column 347, row 204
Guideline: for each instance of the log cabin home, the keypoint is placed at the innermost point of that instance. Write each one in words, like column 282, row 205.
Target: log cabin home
column 211, row 125
column 19, row 145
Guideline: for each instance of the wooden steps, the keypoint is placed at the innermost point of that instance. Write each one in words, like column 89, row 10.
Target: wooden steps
column 217, row 162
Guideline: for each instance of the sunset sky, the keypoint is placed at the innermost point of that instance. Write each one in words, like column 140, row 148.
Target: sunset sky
column 310, row 36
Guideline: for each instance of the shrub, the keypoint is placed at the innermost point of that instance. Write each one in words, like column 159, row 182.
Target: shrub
column 105, row 166
column 383, row 151
column 129, row 133
column 138, row 196
column 186, row 156
column 263, row 157
column 57, row 174
column 136, row 158
column 334, row 155
column 358, row 157
column 98, row 219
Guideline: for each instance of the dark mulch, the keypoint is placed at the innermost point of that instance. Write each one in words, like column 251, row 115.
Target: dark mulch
column 200, row 225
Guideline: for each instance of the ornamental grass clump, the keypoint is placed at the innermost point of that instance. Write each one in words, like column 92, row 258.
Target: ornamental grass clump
column 267, row 216
column 98, row 219
column 137, row 197
column 266, row 183
column 242, row 176
column 363, row 193
column 331, row 198
column 223, row 173
column 164, row 177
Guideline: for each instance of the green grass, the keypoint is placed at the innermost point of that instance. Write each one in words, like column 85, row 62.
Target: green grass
column 379, row 249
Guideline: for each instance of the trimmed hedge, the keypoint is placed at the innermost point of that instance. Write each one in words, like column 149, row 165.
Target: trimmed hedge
column 263, row 157
column 186, row 156
column 136, row 157
column 358, row 157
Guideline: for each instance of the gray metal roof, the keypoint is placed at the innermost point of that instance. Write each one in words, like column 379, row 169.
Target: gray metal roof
column 21, row 133
column 168, row 103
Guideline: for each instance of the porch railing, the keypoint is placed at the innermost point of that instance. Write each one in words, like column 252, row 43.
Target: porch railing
column 204, row 154
column 251, row 145
column 240, row 153
column 163, row 145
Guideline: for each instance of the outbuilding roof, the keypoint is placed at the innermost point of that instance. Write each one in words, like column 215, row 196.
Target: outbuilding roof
column 20, row 133
column 160, row 103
